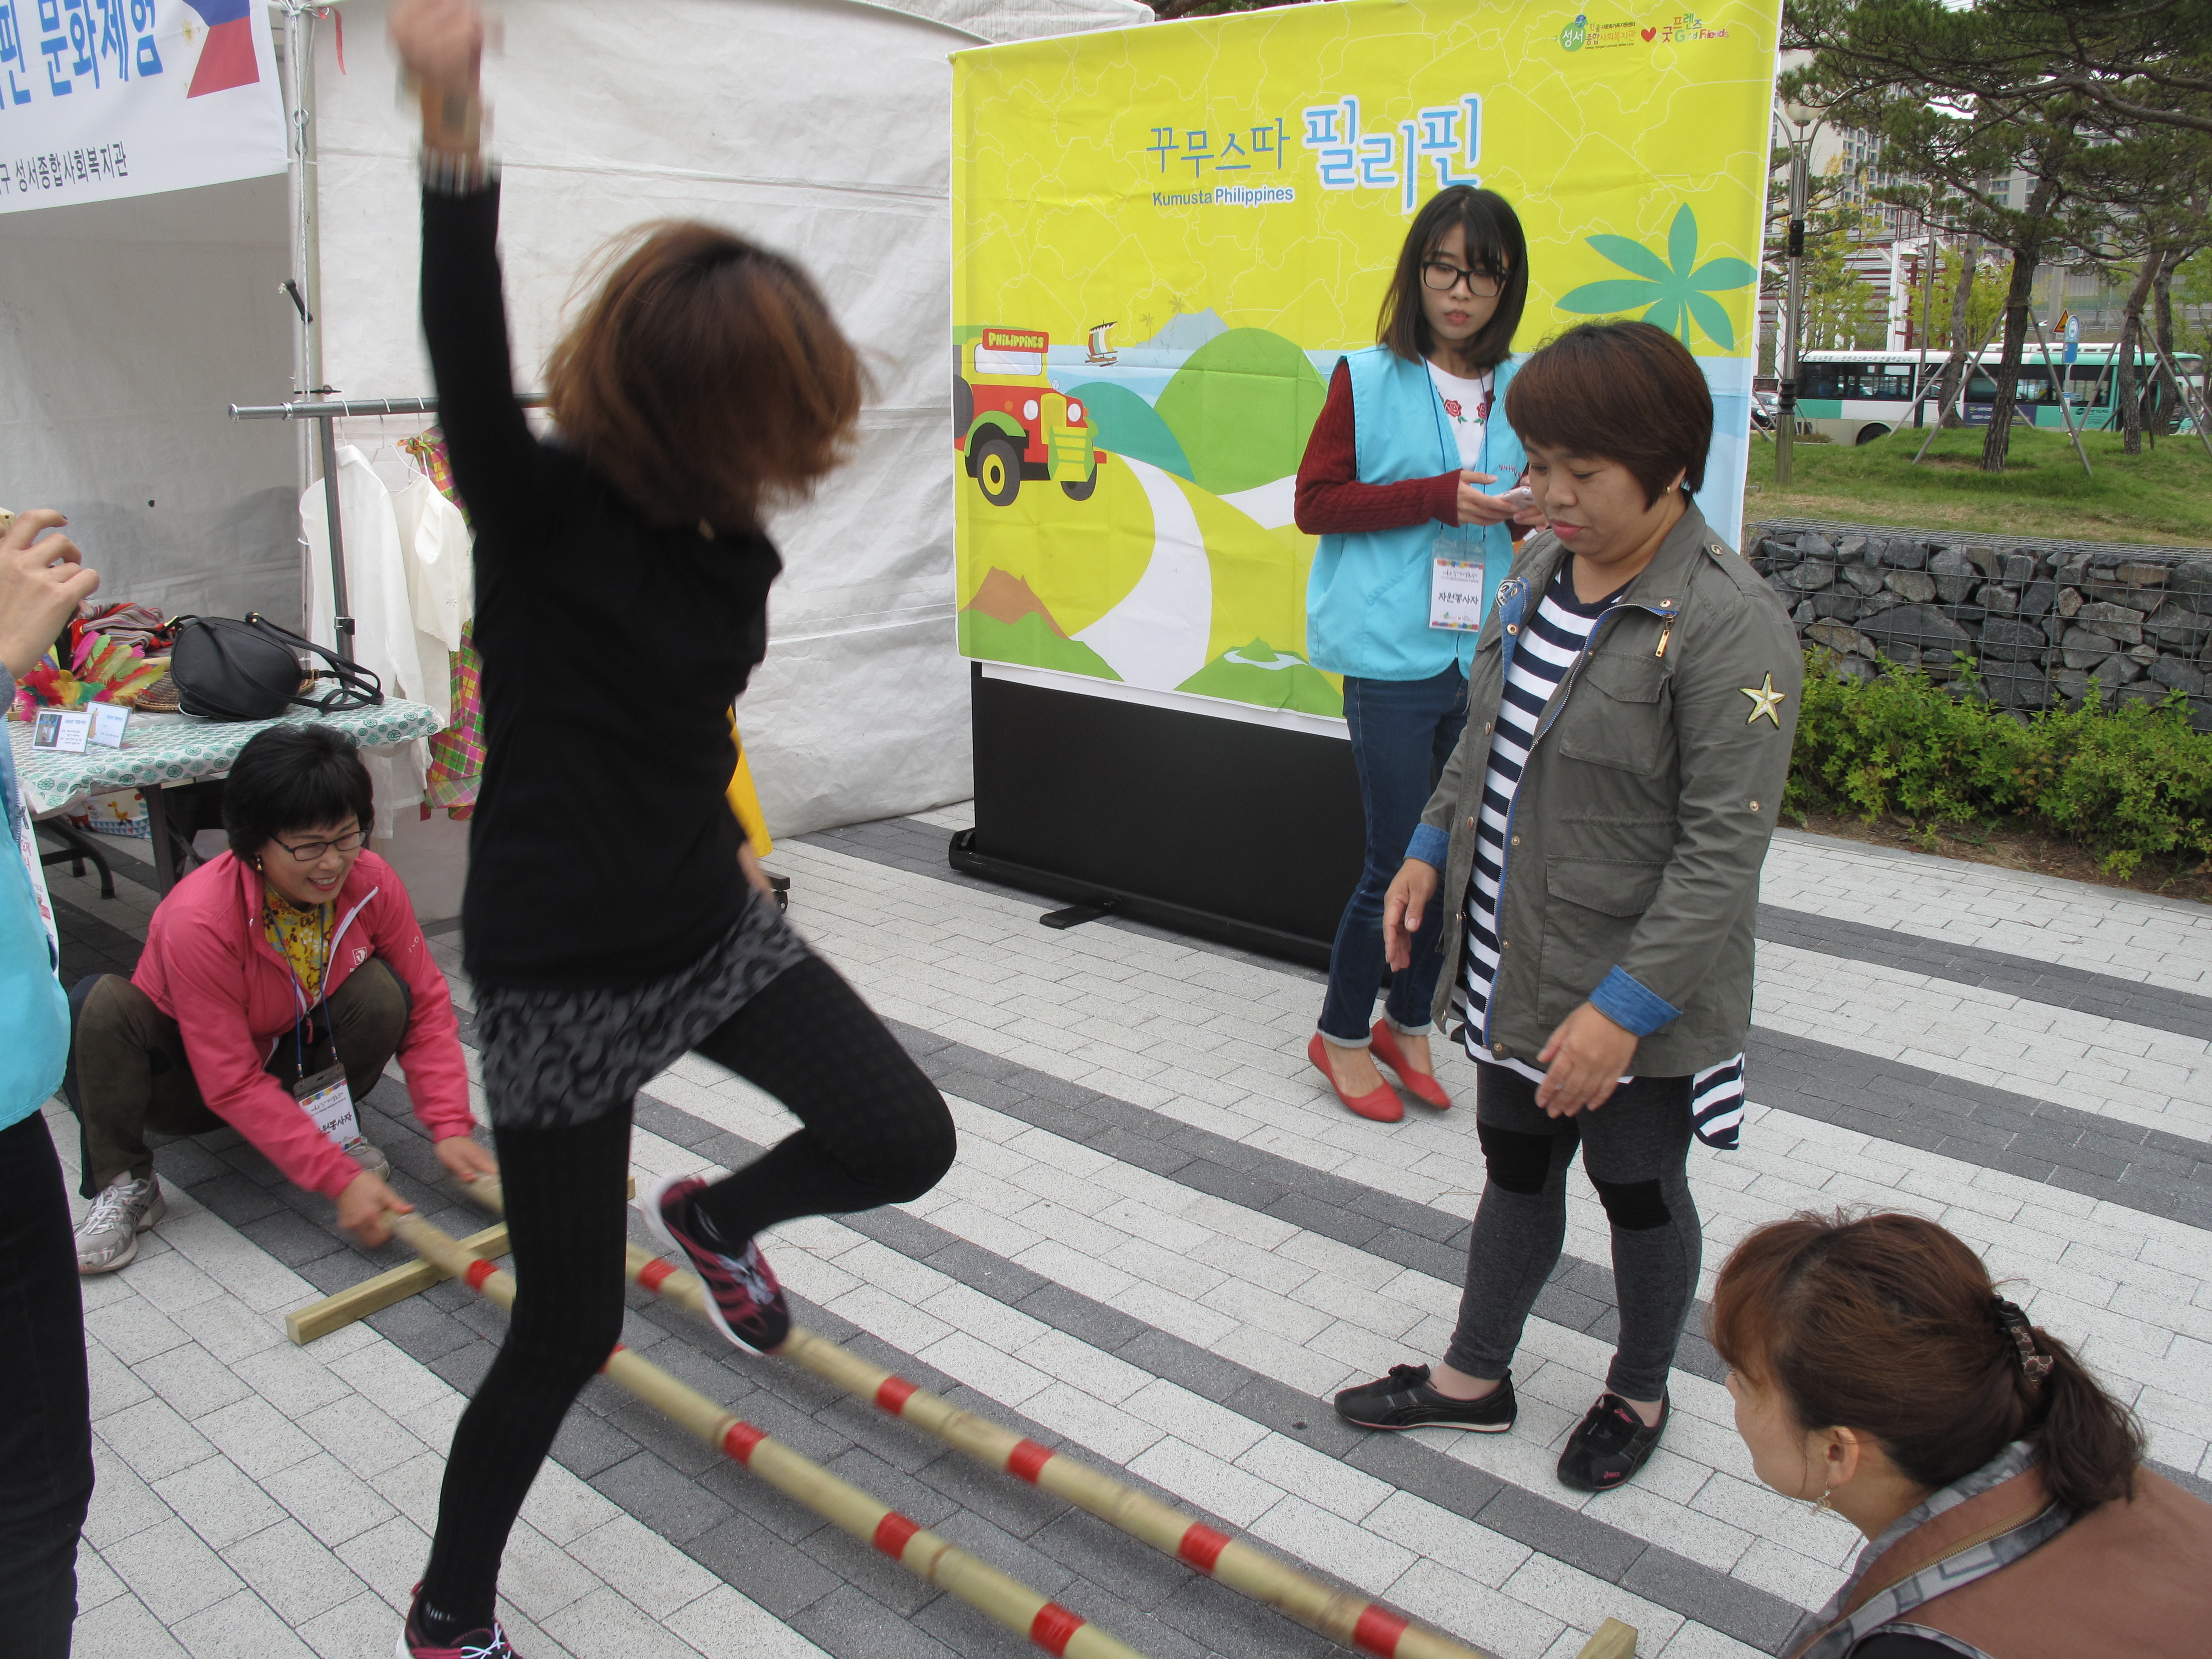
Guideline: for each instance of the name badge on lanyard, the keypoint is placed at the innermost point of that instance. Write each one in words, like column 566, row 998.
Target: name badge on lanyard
column 1459, row 591
column 328, row 1104
column 1459, row 595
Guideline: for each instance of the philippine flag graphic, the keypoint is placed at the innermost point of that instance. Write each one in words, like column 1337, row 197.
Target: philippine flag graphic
column 227, row 57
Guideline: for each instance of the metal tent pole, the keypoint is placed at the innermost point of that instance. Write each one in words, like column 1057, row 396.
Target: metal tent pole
column 340, row 616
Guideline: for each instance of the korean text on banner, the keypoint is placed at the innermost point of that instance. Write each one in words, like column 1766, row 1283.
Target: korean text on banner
column 1165, row 238
column 105, row 99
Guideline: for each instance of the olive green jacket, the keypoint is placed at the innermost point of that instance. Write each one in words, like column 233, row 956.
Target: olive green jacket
column 1633, row 848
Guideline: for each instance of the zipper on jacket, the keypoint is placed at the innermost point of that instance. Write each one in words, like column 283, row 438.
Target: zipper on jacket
column 1667, row 612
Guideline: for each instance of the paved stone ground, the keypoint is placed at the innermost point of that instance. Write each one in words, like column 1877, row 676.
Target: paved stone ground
column 1162, row 1247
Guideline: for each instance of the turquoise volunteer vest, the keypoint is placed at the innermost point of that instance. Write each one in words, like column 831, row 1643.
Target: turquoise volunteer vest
column 1367, row 599
column 34, row 1012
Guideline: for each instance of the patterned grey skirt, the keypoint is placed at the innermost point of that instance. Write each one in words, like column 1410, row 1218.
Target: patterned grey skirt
column 555, row 1059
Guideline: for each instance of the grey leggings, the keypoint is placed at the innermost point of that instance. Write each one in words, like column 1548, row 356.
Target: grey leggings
column 1636, row 1149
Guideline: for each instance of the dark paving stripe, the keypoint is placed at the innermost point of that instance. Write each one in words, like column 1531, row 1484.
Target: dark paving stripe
column 919, row 848
column 2152, row 1170
column 1428, row 1240
column 2103, row 995
column 91, row 943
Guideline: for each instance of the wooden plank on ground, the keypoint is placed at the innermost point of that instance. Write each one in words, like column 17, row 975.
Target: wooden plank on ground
column 374, row 1295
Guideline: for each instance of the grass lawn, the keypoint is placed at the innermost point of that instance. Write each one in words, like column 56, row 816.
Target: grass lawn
column 2164, row 496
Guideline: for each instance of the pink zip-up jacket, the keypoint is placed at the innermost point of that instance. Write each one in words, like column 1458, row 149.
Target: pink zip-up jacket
column 208, row 964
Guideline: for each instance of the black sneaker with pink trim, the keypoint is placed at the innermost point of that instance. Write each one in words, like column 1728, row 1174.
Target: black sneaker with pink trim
column 741, row 1294
column 489, row 1643
column 1610, row 1445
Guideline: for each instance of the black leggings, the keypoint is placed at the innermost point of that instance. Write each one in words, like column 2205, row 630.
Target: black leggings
column 877, row 1131
column 1636, row 1149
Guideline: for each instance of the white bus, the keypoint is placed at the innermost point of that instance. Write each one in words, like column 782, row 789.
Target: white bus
column 1856, row 397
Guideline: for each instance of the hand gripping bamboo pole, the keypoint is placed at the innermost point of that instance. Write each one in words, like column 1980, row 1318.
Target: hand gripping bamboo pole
column 922, row 1553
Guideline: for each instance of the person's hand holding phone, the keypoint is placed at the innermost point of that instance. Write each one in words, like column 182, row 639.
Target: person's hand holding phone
column 1474, row 507
column 1522, row 502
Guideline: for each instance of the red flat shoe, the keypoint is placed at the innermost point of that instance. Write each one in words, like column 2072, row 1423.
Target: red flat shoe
column 1421, row 1085
column 1380, row 1104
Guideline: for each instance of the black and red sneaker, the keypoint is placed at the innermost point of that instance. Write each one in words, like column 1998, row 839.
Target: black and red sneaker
column 488, row 1642
column 1610, row 1445
column 742, row 1295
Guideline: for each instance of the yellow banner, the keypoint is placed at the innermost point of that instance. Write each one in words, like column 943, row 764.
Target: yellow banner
column 1164, row 237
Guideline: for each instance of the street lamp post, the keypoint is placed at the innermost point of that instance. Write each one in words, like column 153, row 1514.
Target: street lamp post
column 1785, row 420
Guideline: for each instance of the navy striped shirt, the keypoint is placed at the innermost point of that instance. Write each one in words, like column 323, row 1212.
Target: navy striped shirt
column 1546, row 648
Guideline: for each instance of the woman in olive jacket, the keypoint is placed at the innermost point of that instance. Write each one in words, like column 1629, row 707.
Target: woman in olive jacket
column 1596, row 841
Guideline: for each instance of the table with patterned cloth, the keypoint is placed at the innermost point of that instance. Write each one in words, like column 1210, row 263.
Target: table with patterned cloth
column 161, row 752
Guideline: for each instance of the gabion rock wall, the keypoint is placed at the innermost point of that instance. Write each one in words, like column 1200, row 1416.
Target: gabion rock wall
column 2049, row 624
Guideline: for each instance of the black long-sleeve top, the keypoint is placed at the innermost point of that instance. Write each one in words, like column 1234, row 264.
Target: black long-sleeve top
column 603, row 851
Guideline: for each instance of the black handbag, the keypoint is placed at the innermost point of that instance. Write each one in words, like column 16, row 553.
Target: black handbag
column 228, row 670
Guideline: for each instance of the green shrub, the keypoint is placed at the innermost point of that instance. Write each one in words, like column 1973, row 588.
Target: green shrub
column 2133, row 782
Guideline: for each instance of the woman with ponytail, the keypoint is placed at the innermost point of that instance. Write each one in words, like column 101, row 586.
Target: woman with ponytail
column 1878, row 1373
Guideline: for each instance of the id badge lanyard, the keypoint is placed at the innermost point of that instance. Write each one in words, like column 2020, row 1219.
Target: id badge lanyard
column 1465, row 565
column 324, row 1096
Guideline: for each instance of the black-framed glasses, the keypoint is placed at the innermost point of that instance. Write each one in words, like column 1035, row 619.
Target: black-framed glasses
column 309, row 851
column 1443, row 276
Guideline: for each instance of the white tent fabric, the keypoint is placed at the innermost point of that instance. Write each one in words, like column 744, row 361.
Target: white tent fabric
column 1000, row 21
column 820, row 127
column 126, row 328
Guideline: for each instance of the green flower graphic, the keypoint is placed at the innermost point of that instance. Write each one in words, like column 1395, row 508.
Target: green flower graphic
column 1675, row 290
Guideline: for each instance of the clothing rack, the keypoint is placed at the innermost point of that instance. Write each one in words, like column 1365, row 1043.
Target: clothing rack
column 325, row 413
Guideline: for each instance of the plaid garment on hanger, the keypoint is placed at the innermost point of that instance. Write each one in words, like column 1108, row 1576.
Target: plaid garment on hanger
column 457, row 754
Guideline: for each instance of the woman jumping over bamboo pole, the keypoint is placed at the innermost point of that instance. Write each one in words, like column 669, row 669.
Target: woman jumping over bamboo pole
column 703, row 382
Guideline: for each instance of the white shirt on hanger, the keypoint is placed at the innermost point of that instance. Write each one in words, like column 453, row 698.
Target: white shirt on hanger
column 383, row 621
column 439, row 557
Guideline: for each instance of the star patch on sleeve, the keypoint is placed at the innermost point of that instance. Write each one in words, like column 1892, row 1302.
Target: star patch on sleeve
column 1765, row 700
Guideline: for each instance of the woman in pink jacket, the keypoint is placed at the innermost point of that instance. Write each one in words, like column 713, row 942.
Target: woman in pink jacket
column 276, row 981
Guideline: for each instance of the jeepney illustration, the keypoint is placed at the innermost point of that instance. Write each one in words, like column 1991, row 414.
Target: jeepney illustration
column 1010, row 424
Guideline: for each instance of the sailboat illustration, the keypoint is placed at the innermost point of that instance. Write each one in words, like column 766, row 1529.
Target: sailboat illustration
column 1101, row 352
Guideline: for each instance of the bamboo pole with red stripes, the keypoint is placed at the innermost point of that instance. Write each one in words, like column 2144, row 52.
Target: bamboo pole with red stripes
column 920, row 1552
column 1351, row 1619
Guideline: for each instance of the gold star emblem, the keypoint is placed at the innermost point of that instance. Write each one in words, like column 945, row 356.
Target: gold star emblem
column 1765, row 700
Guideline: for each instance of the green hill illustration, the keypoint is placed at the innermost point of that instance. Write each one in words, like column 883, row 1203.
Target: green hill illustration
column 1257, row 673
column 1127, row 425
column 1006, row 622
column 1241, row 408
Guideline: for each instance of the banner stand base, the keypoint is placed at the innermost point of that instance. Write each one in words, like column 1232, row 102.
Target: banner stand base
column 1095, row 902
column 1076, row 915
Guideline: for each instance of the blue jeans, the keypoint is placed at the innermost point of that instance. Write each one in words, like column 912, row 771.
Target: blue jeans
column 1402, row 733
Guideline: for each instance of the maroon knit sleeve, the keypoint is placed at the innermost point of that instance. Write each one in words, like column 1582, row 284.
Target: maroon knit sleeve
column 1331, row 500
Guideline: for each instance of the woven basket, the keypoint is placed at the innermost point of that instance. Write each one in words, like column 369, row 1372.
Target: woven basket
column 159, row 698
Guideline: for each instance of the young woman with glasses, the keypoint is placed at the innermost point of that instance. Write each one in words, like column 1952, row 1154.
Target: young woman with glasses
column 295, row 951
column 1405, row 480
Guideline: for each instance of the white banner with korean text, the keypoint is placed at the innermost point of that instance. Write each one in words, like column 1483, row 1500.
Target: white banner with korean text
column 104, row 99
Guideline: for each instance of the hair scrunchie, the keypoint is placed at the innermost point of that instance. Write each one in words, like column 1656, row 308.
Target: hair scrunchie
column 2034, row 1362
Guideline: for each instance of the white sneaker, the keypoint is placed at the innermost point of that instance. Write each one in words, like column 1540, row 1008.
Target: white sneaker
column 369, row 1158
column 107, row 1238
